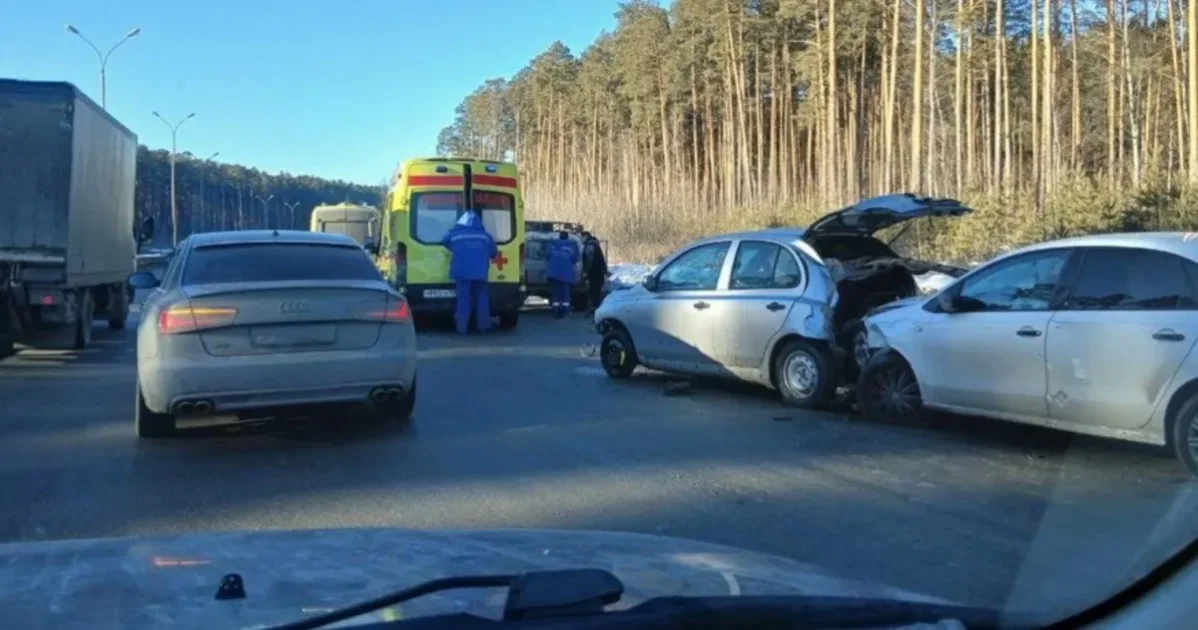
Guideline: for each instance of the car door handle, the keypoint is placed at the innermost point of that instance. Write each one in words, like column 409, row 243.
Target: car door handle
column 775, row 306
column 1028, row 332
column 701, row 305
column 1168, row 334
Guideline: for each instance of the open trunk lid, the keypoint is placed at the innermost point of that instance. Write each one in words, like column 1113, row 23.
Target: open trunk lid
column 871, row 215
column 296, row 316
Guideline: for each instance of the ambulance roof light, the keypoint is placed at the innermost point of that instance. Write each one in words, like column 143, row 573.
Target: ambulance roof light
column 491, row 168
column 441, row 168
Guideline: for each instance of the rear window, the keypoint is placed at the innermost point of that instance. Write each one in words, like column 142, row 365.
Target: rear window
column 434, row 213
column 277, row 262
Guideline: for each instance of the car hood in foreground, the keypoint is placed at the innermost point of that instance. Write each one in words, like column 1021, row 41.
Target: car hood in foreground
column 172, row 581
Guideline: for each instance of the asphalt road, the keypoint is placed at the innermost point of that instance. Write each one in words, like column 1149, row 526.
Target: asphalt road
column 520, row 429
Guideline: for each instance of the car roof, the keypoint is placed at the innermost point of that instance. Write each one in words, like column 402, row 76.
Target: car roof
column 781, row 235
column 1184, row 244
column 247, row 237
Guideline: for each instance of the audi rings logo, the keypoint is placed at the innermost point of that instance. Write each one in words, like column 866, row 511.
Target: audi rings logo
column 295, row 307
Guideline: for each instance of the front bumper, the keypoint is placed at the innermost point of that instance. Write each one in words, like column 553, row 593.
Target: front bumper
column 233, row 384
column 505, row 297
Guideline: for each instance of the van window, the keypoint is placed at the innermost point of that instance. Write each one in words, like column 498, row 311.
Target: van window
column 434, row 213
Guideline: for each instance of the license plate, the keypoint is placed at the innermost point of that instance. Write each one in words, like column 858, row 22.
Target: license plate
column 440, row 293
column 294, row 336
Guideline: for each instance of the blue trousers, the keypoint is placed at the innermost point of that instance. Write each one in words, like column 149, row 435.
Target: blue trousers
column 559, row 297
column 472, row 291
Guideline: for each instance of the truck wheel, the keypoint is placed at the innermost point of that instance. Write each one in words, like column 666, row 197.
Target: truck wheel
column 83, row 326
column 509, row 320
column 150, row 424
column 118, row 307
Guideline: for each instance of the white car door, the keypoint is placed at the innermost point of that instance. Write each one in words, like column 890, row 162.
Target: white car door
column 672, row 326
column 1128, row 323
column 986, row 353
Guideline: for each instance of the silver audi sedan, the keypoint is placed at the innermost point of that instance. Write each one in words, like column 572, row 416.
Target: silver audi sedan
column 270, row 323
column 1090, row 335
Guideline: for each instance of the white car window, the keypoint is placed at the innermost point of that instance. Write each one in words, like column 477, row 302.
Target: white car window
column 1024, row 283
column 695, row 270
column 1131, row 279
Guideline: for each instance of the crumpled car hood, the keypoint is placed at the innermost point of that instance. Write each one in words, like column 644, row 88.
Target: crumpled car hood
column 171, row 581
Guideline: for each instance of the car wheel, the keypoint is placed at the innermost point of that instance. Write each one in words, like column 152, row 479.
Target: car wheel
column 889, row 391
column 617, row 354
column 1183, row 435
column 150, row 424
column 509, row 320
column 804, row 375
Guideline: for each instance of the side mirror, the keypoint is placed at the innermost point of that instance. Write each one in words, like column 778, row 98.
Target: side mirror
column 959, row 304
column 371, row 248
column 650, row 282
column 143, row 280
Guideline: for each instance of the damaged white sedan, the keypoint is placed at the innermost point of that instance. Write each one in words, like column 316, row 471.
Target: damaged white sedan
column 770, row 306
column 1091, row 335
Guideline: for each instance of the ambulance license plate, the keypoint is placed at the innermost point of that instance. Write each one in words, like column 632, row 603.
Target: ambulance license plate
column 440, row 293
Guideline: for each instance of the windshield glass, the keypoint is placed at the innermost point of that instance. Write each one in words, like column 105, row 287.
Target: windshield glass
column 276, row 263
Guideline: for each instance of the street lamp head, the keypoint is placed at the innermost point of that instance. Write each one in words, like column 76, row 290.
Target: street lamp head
column 72, row 29
column 134, row 33
column 157, row 114
column 191, row 115
column 213, row 156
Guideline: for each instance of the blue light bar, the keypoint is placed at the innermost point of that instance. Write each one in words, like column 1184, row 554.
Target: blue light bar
column 441, row 168
column 491, row 168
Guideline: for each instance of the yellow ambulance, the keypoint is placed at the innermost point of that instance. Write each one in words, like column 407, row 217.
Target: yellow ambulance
column 426, row 198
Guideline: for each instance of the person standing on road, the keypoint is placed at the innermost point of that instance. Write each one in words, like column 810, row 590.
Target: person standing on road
column 559, row 270
column 594, row 268
column 471, row 249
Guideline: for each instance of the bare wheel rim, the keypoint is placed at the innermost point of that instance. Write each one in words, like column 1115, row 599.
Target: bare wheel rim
column 801, row 373
column 1192, row 438
column 614, row 353
column 893, row 391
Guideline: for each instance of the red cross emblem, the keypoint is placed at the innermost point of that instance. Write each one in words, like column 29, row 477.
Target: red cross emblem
column 500, row 260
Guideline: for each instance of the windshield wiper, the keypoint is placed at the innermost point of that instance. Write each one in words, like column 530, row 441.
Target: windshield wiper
column 574, row 598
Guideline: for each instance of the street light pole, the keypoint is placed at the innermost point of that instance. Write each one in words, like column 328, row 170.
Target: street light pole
column 265, row 208
column 103, row 59
column 203, row 176
column 174, row 206
column 291, row 206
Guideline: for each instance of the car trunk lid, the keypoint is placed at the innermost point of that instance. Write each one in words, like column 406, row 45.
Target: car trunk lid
column 869, row 216
column 294, row 316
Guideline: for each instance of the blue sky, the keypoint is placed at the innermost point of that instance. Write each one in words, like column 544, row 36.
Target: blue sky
column 342, row 89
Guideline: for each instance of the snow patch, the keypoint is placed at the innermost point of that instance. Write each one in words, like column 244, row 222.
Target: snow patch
column 933, row 281
column 624, row 275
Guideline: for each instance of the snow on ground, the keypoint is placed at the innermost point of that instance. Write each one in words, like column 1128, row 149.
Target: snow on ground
column 624, row 275
column 932, row 281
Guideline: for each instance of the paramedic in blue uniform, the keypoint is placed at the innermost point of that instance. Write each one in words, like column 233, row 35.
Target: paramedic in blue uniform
column 559, row 269
column 471, row 249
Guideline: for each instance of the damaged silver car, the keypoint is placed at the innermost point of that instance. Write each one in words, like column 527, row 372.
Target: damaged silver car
column 775, row 307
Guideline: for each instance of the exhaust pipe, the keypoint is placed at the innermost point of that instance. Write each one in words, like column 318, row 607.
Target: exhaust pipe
column 203, row 407
column 395, row 393
column 378, row 394
column 184, row 408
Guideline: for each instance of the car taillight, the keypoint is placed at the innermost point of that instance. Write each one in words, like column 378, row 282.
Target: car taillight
column 182, row 318
column 394, row 312
column 399, row 262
